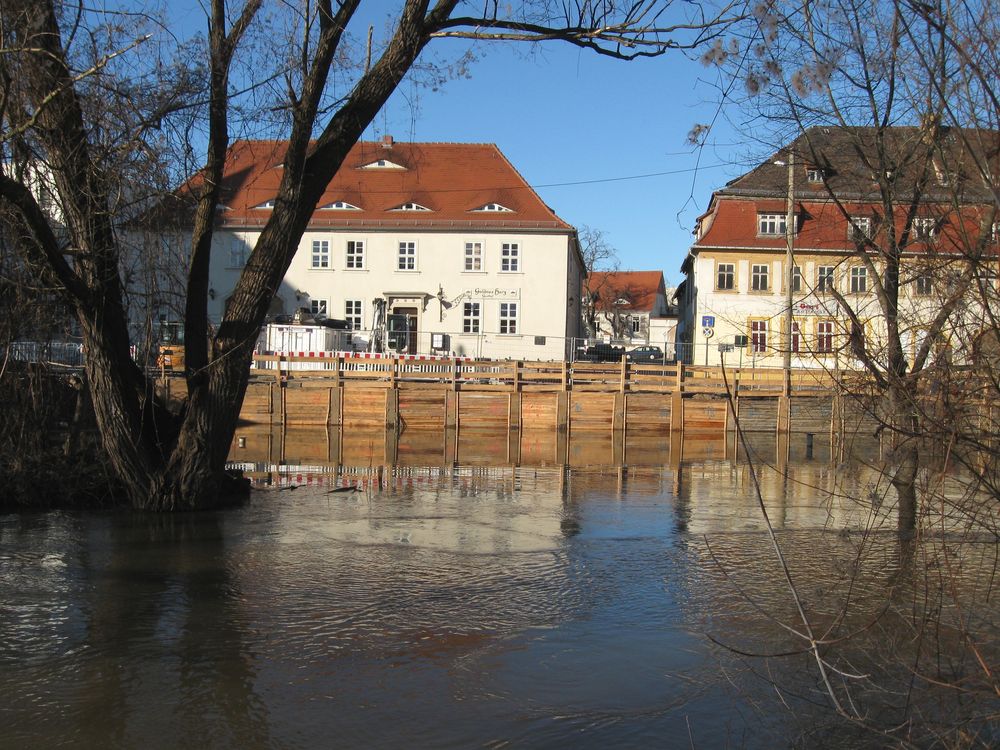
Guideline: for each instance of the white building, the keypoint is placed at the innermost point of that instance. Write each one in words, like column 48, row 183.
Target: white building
column 443, row 244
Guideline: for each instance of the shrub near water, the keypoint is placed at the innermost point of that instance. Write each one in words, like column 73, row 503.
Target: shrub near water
column 36, row 469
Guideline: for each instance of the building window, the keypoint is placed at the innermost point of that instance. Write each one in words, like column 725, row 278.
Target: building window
column 758, row 277
column 494, row 207
column 508, row 317
column 796, row 338
column 356, row 254
column 470, row 317
column 510, row 256
column 321, row 254
column 824, row 279
column 859, row 280
column 860, row 228
column 636, row 326
column 407, row 256
column 814, row 174
column 410, row 207
column 725, row 276
column 339, row 206
column 237, row 253
column 473, row 256
column 796, row 279
column 758, row 336
column 924, row 286
column 352, row 313
column 317, row 307
column 924, row 228
column 771, row 223
column 824, row 337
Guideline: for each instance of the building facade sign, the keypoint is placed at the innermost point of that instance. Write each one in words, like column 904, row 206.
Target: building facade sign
column 485, row 293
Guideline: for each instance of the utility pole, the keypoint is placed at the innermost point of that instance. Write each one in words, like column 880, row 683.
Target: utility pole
column 789, row 270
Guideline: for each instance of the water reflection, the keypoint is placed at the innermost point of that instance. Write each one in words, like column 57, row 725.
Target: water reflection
column 548, row 591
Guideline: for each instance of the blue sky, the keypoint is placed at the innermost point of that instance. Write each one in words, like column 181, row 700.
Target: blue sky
column 564, row 115
column 569, row 116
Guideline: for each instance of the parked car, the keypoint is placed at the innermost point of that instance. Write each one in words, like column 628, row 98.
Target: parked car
column 601, row 353
column 645, row 354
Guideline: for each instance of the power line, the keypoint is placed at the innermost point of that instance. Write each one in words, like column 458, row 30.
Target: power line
column 629, row 177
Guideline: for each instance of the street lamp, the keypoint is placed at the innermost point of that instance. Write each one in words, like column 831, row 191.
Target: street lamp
column 789, row 268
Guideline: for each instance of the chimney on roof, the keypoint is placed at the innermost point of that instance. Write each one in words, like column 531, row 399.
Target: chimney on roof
column 386, row 141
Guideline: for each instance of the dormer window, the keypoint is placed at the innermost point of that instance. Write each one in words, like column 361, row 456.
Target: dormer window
column 925, row 228
column 771, row 224
column 382, row 164
column 814, row 174
column 494, row 208
column 268, row 204
column 339, row 206
column 410, row 207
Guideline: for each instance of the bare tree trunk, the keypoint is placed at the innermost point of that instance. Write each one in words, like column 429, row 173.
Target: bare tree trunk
column 905, row 457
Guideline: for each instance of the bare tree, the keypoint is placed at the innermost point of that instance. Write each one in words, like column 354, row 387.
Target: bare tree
column 893, row 106
column 57, row 59
column 880, row 100
column 598, row 255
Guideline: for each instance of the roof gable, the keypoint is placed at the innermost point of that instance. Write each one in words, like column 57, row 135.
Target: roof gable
column 627, row 290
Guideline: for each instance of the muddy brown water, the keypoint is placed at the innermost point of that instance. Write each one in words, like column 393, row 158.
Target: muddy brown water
column 484, row 604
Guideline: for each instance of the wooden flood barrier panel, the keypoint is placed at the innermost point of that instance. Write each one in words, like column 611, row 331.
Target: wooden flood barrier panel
column 364, row 392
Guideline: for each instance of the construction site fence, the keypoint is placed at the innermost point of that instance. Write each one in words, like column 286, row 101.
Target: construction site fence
column 525, row 375
column 66, row 353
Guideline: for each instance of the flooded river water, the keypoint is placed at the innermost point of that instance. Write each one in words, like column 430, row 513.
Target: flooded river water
column 477, row 604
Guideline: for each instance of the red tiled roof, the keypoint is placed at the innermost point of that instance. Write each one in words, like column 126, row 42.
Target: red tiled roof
column 822, row 226
column 638, row 287
column 450, row 179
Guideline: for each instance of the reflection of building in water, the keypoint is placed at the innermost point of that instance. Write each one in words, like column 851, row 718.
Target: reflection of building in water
column 722, row 496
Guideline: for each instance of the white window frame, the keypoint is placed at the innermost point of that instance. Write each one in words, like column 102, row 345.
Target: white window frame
column 859, row 280
column 636, row 324
column 508, row 318
column 354, row 313
column 757, row 341
column 814, row 174
column 406, row 255
column 860, row 227
column 320, row 258
column 923, row 285
column 772, row 225
column 494, row 207
column 354, row 255
column 339, row 206
column 796, row 341
column 410, row 206
column 824, row 338
column 473, row 257
column 238, row 252
column 472, row 317
column 318, row 307
column 825, row 279
column 510, row 257
column 925, row 227
column 760, row 272
column 796, row 278
column 729, row 269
